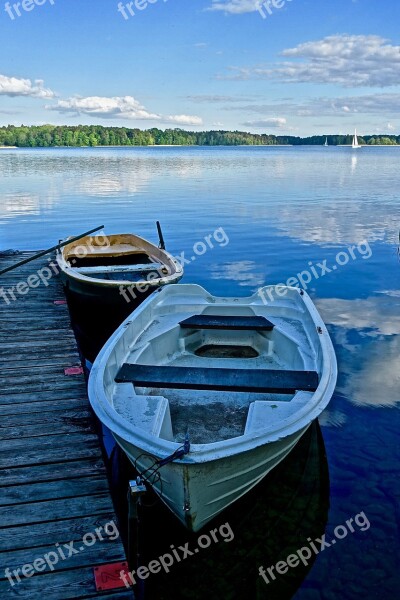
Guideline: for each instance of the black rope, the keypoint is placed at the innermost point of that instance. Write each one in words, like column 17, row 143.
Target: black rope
column 154, row 475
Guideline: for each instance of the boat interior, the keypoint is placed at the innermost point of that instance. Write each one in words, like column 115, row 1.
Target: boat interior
column 215, row 376
column 116, row 257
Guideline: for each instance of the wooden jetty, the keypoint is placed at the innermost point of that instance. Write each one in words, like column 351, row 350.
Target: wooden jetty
column 53, row 481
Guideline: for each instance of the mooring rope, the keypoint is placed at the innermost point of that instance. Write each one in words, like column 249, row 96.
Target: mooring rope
column 154, row 475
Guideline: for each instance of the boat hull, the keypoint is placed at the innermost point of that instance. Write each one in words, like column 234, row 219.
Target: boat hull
column 123, row 296
column 198, row 492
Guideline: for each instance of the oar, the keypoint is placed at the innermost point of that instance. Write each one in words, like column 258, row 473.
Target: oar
column 160, row 236
column 44, row 252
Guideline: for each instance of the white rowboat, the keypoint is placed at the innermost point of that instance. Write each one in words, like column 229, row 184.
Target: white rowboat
column 240, row 379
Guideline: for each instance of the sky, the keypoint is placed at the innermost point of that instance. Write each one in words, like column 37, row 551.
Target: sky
column 284, row 67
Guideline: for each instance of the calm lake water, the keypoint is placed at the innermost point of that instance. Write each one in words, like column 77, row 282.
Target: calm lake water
column 284, row 210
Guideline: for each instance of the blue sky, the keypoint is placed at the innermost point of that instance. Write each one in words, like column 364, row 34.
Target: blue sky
column 309, row 67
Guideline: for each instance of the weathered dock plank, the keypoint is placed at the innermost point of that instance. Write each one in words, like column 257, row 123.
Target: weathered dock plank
column 36, row 402
column 61, row 586
column 14, row 476
column 53, row 482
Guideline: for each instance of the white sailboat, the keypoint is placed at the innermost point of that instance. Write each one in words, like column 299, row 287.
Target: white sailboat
column 326, row 142
column 355, row 143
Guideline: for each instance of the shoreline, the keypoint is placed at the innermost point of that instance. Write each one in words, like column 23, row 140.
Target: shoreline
column 201, row 146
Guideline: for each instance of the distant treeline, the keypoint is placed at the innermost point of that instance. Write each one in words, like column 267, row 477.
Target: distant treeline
column 47, row 136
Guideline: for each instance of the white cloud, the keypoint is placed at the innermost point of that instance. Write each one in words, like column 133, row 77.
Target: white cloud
column 272, row 122
column 183, row 119
column 371, row 104
column 117, row 107
column 16, row 86
column 123, row 107
column 235, row 7
column 344, row 60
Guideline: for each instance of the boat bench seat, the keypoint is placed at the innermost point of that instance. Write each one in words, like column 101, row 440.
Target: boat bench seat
column 150, row 413
column 119, row 268
column 231, row 380
column 227, row 322
column 264, row 413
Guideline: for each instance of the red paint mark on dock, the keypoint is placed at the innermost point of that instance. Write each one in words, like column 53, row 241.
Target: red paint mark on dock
column 108, row 577
column 73, row 371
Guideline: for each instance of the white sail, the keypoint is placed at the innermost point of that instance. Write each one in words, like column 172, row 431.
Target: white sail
column 355, row 143
column 326, row 142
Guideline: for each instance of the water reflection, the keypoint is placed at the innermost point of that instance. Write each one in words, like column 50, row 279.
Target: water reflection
column 243, row 271
column 108, row 182
column 305, row 194
column 353, row 164
column 333, row 222
column 19, row 204
column 332, row 418
column 367, row 335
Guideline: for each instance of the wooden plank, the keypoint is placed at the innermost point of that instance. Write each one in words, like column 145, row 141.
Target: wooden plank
column 73, row 585
column 27, row 362
column 55, row 373
column 40, row 374
column 37, row 401
column 227, row 322
column 86, row 556
column 23, row 320
column 50, row 351
column 47, row 424
column 20, row 386
column 67, row 488
column 48, row 449
column 53, row 532
column 68, row 415
column 27, row 327
column 8, row 303
column 234, row 380
column 14, row 476
column 55, row 509
column 64, row 334
column 38, row 347
column 50, row 347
